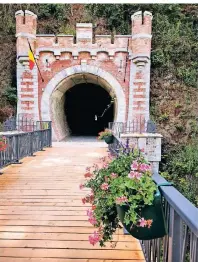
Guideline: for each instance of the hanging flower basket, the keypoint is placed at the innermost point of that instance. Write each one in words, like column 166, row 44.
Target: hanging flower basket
column 106, row 135
column 123, row 191
column 109, row 139
column 152, row 212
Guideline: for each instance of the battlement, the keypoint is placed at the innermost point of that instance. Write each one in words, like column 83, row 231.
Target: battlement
column 141, row 22
column 26, row 23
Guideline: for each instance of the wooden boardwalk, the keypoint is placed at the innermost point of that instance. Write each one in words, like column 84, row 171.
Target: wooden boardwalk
column 42, row 218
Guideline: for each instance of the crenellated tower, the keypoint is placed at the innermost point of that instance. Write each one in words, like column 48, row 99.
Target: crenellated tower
column 27, row 80
column 140, row 66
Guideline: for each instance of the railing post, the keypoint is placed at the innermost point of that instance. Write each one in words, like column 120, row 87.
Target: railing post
column 17, row 150
column 50, row 134
column 31, row 144
column 41, row 135
column 175, row 237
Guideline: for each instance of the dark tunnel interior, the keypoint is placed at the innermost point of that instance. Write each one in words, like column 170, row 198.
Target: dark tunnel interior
column 82, row 103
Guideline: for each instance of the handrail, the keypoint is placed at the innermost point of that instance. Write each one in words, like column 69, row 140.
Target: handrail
column 184, row 208
column 20, row 145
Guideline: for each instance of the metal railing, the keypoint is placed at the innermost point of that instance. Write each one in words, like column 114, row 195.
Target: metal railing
column 181, row 243
column 134, row 126
column 22, row 124
column 24, row 144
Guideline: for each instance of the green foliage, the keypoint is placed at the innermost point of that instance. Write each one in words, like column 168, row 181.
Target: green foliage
column 178, row 105
column 163, row 117
column 193, row 128
column 57, row 11
column 181, row 167
column 180, row 128
column 174, row 42
column 10, row 94
column 113, row 184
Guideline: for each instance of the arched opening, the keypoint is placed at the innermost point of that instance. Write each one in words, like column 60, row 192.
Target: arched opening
column 59, row 91
column 88, row 109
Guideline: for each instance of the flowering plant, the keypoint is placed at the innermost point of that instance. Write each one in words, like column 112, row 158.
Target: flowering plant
column 3, row 144
column 124, row 181
column 105, row 133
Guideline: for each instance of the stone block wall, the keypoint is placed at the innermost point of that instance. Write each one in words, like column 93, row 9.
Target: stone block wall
column 149, row 143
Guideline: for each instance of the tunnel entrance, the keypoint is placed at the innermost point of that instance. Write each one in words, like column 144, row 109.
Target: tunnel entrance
column 83, row 102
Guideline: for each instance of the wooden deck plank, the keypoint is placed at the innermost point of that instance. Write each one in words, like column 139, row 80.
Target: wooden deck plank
column 72, row 235
column 71, row 253
column 62, row 244
column 42, row 218
column 11, row 259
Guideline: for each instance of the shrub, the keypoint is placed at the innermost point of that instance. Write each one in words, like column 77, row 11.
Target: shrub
column 181, row 167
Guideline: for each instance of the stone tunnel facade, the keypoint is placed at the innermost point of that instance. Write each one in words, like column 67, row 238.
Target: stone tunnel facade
column 120, row 65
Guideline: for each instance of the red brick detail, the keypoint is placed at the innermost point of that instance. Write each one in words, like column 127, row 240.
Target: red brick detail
column 138, row 103
column 139, row 89
column 27, row 83
column 27, row 108
column 28, row 95
column 27, row 102
column 138, row 96
column 27, row 89
column 139, row 75
column 27, row 75
column 139, row 84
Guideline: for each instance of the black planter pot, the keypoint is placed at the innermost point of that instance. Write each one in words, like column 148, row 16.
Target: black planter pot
column 155, row 212
column 108, row 139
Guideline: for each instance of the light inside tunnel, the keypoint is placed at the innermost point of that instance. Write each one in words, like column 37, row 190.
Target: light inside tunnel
column 77, row 104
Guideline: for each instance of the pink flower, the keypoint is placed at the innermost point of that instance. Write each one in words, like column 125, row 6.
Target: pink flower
column 89, row 213
column 122, row 199
column 134, row 174
column 134, row 165
column 88, row 175
column 94, row 238
column 88, row 199
column 84, row 200
column 143, row 222
column 142, row 150
column 92, row 220
column 104, row 186
column 91, row 216
column 113, row 175
column 81, row 186
column 93, row 207
column 105, row 165
column 144, row 167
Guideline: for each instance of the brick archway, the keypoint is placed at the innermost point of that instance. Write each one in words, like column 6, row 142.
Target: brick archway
column 52, row 91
